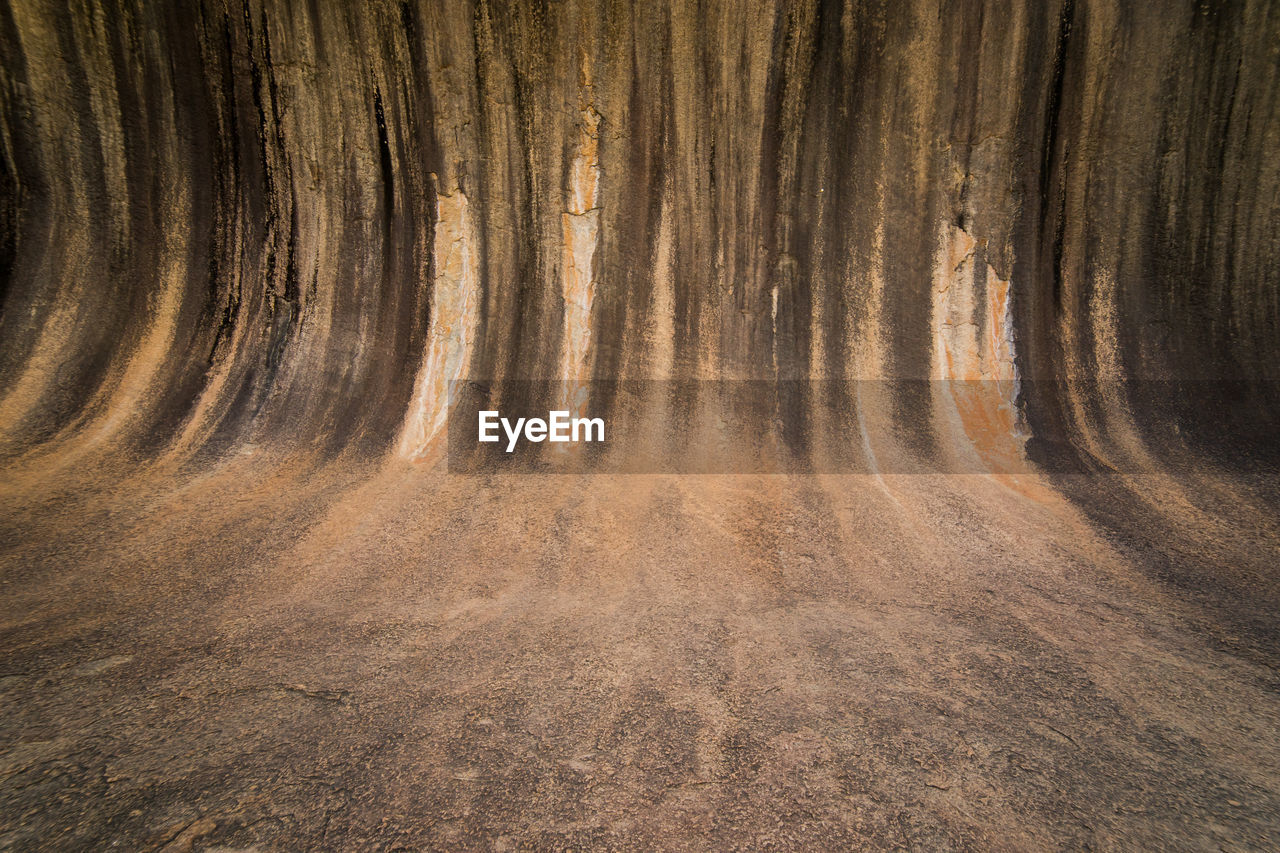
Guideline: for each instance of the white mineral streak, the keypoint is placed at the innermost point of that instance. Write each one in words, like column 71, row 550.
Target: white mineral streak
column 869, row 358
column 871, row 403
column 973, row 354
column 581, row 233
column 455, row 310
column 662, row 345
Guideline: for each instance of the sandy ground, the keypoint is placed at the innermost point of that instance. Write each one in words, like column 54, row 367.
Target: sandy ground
column 276, row 655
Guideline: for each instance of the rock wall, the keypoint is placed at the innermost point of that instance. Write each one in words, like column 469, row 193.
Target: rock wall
column 227, row 224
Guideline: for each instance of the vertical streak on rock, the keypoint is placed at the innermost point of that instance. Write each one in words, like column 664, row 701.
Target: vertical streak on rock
column 581, row 233
column 61, row 256
column 138, row 379
column 662, row 363
column 973, row 354
column 1117, row 429
column 868, row 356
column 455, row 310
column 865, row 345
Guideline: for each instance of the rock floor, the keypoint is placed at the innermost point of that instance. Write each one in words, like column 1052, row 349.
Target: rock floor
column 280, row 655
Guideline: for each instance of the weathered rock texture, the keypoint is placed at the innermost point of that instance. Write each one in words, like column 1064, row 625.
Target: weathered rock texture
column 246, row 246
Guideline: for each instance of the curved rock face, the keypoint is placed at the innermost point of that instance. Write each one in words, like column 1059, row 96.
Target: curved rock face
column 1035, row 240
column 243, row 223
